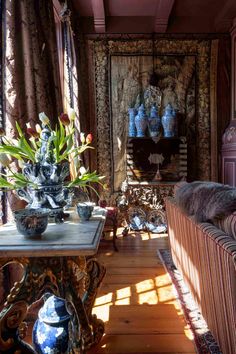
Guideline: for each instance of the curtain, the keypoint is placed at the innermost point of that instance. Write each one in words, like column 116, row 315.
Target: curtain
column 32, row 72
column 75, row 79
column 32, row 83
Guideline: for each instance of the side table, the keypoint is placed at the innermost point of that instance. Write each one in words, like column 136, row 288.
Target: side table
column 61, row 263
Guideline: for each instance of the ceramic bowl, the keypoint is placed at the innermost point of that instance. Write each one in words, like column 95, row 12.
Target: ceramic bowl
column 31, row 222
column 85, row 210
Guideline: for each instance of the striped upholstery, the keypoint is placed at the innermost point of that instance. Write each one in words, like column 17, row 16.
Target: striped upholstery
column 206, row 256
column 228, row 225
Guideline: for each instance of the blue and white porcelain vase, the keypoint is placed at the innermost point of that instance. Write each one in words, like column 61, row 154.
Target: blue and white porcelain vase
column 169, row 122
column 51, row 331
column 154, row 122
column 176, row 121
column 132, row 127
column 141, row 122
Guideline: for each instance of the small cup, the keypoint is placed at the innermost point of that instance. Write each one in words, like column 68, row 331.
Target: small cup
column 85, row 210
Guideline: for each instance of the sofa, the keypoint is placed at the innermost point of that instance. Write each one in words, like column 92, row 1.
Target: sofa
column 205, row 254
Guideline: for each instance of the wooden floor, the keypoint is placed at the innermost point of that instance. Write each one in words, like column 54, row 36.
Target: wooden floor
column 137, row 302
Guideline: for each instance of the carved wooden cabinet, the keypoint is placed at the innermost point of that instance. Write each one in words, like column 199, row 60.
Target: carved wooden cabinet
column 141, row 205
column 154, row 166
column 144, row 153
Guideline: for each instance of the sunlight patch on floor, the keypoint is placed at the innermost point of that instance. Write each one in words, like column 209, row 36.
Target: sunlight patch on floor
column 188, row 332
column 123, row 293
column 145, row 285
column 102, row 312
column 102, row 300
column 125, row 301
column 165, row 293
column 149, row 297
column 162, row 280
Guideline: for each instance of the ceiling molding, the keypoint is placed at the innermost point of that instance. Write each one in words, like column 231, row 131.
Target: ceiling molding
column 99, row 16
column 164, row 8
column 223, row 21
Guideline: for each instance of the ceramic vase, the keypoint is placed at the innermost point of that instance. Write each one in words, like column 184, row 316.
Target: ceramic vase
column 141, row 122
column 51, row 193
column 132, row 127
column 154, row 122
column 51, row 331
column 169, row 122
column 176, row 121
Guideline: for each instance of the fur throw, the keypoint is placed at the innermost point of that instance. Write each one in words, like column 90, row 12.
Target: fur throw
column 206, row 201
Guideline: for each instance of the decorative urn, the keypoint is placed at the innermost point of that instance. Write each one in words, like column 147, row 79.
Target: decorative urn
column 141, row 122
column 132, row 127
column 51, row 330
column 154, row 122
column 169, row 122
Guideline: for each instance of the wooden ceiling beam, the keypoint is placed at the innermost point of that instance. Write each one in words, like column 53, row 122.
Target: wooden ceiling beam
column 99, row 16
column 164, row 8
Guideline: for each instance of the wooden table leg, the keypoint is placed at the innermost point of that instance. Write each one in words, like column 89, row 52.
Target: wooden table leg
column 56, row 275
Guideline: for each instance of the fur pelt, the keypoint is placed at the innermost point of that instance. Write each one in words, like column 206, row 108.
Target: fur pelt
column 206, row 201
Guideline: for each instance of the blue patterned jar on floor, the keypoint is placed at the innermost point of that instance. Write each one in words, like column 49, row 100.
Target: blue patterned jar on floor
column 169, row 122
column 154, row 122
column 50, row 331
column 141, row 122
column 132, row 127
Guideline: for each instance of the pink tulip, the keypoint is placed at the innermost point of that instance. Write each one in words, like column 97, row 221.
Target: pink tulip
column 89, row 138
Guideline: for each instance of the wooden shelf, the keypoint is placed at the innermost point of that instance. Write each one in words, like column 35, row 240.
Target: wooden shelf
column 153, row 138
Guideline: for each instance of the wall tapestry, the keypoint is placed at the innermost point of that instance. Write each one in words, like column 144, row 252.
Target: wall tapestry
column 122, row 69
column 130, row 87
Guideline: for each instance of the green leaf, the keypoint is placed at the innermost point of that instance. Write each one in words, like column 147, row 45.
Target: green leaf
column 5, row 184
column 14, row 151
column 27, row 149
column 85, row 179
column 19, row 130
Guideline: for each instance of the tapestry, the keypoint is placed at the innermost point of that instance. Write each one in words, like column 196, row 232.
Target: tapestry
column 121, row 72
column 130, row 87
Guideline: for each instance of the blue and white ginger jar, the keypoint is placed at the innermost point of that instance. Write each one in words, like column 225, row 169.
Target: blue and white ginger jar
column 141, row 122
column 154, row 122
column 132, row 127
column 169, row 122
column 51, row 330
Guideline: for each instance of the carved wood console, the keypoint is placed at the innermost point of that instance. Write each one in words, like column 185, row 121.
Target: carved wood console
column 141, row 205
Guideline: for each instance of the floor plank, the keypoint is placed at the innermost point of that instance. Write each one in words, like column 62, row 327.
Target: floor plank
column 137, row 302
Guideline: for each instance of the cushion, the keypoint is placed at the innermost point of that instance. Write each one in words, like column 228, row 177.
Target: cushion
column 178, row 185
column 227, row 224
column 206, row 201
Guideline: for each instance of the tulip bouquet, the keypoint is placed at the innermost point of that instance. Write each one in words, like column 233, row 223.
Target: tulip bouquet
column 44, row 157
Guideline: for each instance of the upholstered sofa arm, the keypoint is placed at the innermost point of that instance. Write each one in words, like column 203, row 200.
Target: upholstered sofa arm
column 206, row 256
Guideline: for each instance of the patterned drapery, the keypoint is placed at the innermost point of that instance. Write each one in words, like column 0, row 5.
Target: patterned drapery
column 31, row 63
column 32, row 83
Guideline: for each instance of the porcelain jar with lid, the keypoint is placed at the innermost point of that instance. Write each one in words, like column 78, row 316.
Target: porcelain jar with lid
column 132, row 127
column 141, row 122
column 154, row 122
column 169, row 122
column 51, row 330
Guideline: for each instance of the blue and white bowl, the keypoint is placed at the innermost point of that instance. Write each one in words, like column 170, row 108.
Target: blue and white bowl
column 31, row 222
